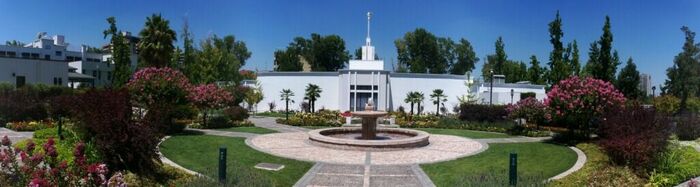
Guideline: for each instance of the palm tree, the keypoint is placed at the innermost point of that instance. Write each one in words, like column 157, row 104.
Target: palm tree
column 419, row 99
column 156, row 45
column 313, row 92
column 410, row 99
column 438, row 97
column 286, row 95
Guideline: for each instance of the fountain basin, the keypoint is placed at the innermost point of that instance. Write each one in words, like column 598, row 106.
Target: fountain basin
column 387, row 139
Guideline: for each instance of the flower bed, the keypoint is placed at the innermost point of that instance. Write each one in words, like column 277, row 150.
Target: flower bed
column 29, row 125
column 321, row 118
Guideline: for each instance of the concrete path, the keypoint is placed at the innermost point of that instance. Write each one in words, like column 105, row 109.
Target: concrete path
column 580, row 161
column 366, row 175
column 270, row 123
column 14, row 135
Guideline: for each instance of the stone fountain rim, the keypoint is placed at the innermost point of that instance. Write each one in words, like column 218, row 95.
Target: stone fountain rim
column 419, row 139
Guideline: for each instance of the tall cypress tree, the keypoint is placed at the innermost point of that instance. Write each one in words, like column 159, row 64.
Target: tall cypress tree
column 606, row 63
column 500, row 56
column 120, row 54
column 628, row 81
column 557, row 62
column 535, row 74
column 575, row 63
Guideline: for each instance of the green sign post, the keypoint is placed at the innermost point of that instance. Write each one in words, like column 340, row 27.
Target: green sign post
column 222, row 164
column 513, row 169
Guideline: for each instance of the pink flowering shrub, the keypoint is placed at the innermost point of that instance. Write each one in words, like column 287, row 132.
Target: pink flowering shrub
column 530, row 109
column 26, row 167
column 159, row 86
column 207, row 97
column 578, row 101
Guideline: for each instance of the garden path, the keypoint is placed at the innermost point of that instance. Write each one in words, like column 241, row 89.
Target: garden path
column 14, row 135
column 270, row 123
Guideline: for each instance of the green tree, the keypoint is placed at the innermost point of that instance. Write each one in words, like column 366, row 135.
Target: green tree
column 313, row 92
column 286, row 95
column 411, row 98
column 253, row 97
column 557, row 62
column 438, row 97
column 604, row 64
column 190, row 64
column 15, row 43
column 535, row 74
column 176, row 59
column 574, row 61
column 156, row 45
column 419, row 99
column 358, row 54
column 419, row 52
column 466, row 58
column 683, row 78
column 120, row 54
column 628, row 81
column 496, row 63
column 287, row 60
column 447, row 54
column 221, row 59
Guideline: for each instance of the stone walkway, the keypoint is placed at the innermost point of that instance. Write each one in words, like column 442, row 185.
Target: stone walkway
column 372, row 168
column 14, row 135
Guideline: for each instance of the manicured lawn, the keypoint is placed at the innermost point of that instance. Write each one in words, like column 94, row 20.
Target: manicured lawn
column 465, row 133
column 536, row 161
column 255, row 130
column 200, row 153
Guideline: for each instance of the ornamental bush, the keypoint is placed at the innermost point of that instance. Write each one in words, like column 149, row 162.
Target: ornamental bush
column 104, row 117
column 482, row 113
column 530, row 109
column 667, row 104
column 40, row 166
column 577, row 102
column 152, row 87
column 634, row 136
column 209, row 97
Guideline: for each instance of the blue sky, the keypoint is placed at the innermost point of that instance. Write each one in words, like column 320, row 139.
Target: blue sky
column 648, row 31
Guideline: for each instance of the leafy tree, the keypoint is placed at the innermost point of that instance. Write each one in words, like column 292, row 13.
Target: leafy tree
column 466, row 58
column 313, row 92
column 438, row 97
column 253, row 97
column 535, row 74
column 156, row 45
column 220, row 58
column 604, row 64
column 120, row 54
column 683, row 78
column 628, row 81
column 447, row 54
column 287, row 60
column 176, row 59
column 358, row 54
column 286, row 95
column 14, row 43
column 557, row 60
column 418, row 52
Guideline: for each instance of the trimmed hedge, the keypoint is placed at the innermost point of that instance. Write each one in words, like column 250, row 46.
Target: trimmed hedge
column 482, row 113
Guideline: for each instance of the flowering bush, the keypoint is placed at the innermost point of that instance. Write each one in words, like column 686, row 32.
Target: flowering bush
column 207, row 97
column 159, row 86
column 577, row 101
column 248, row 75
column 24, row 167
column 532, row 110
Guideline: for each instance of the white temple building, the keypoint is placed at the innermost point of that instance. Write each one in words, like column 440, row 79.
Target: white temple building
column 364, row 80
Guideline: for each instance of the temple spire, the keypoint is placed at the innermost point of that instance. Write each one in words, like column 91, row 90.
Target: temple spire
column 368, row 41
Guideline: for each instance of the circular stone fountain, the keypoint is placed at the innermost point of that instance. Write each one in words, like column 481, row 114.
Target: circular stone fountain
column 369, row 137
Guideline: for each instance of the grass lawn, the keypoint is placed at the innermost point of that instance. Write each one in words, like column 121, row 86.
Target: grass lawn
column 255, row 130
column 200, row 153
column 465, row 133
column 537, row 161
